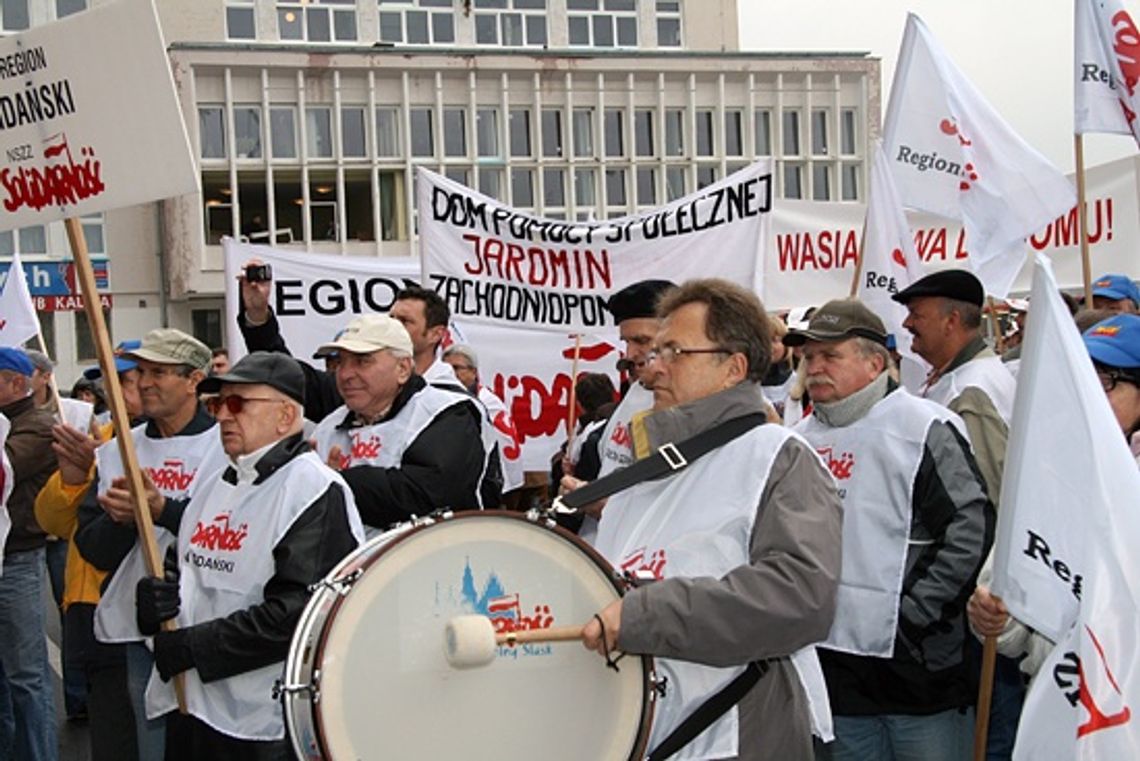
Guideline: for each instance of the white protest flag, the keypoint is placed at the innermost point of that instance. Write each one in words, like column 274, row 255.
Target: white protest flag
column 1106, row 69
column 1063, row 558
column 890, row 262
column 951, row 154
column 7, row 481
column 18, row 321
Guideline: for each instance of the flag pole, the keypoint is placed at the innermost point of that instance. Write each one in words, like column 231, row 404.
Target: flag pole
column 985, row 697
column 93, row 307
column 995, row 326
column 572, row 409
column 859, row 256
column 1082, row 217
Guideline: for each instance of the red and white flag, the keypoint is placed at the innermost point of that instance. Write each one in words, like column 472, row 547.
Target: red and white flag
column 1064, row 558
column 18, row 321
column 1106, row 63
column 890, row 262
column 951, row 154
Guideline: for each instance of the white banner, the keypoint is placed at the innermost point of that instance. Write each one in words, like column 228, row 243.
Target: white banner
column 1106, row 62
column 815, row 245
column 315, row 295
column 495, row 265
column 89, row 120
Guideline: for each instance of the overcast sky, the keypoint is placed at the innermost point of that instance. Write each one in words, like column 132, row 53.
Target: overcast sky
column 1019, row 53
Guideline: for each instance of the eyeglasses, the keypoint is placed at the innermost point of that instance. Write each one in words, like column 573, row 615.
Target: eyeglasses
column 1109, row 379
column 670, row 354
column 233, row 403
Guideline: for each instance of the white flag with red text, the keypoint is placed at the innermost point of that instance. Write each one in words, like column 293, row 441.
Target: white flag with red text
column 890, row 262
column 18, row 321
column 951, row 154
column 1106, row 62
column 1064, row 558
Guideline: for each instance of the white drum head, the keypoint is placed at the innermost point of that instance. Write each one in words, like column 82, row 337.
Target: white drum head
column 388, row 692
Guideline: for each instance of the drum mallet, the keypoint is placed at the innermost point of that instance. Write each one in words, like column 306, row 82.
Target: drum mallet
column 470, row 641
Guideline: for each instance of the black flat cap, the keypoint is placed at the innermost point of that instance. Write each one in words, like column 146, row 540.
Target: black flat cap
column 959, row 285
column 638, row 299
column 838, row 320
column 278, row 371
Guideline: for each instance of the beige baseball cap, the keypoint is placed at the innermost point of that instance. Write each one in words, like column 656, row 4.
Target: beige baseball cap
column 169, row 346
column 369, row 333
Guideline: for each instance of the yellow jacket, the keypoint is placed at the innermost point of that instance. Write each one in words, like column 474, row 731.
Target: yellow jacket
column 57, row 511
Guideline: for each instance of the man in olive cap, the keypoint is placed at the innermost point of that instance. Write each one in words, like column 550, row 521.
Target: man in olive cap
column 916, row 527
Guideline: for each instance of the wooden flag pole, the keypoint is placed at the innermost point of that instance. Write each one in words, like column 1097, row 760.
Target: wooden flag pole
column 985, row 697
column 572, row 410
column 859, row 259
column 119, row 418
column 1082, row 217
column 995, row 326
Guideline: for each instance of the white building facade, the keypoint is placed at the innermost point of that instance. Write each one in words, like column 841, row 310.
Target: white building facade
column 309, row 118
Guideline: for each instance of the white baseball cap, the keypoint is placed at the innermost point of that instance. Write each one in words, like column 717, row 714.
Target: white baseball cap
column 369, row 333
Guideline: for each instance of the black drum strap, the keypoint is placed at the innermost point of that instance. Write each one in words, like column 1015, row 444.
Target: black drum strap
column 668, row 459
column 709, row 711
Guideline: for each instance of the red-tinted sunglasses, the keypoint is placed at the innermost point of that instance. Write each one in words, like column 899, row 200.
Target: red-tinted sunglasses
column 232, row 402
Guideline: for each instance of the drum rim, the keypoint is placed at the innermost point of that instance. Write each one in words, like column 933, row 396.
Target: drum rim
column 648, row 698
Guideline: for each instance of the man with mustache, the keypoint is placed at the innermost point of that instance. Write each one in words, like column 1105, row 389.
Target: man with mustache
column 916, row 527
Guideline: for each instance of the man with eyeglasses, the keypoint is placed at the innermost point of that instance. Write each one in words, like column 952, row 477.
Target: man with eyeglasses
column 634, row 309
column 253, row 538
column 404, row 447
column 744, row 541
column 917, row 525
column 177, row 448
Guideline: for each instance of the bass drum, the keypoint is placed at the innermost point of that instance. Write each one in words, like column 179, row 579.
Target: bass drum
column 367, row 676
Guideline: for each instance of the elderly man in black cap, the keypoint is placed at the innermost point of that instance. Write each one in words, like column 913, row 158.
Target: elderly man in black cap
column 917, row 525
column 634, row 309
column 945, row 320
column 250, row 543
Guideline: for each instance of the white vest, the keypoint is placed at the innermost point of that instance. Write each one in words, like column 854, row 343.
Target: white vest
column 177, row 465
column 987, row 373
column 653, row 526
column 510, row 450
column 874, row 461
column 225, row 554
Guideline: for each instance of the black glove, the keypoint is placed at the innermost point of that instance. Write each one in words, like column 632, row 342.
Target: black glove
column 156, row 600
column 172, row 653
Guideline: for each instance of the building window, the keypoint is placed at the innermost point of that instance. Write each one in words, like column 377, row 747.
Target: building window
column 793, row 181
column 487, row 132
column 733, row 133
column 551, row 133
column 763, row 129
column 419, row 22
column 615, row 187
column 93, row 233
column 211, row 132
column 668, row 23
column 240, row 23
column 792, row 134
column 84, row 343
column 26, row 240
column 388, row 132
column 423, row 144
column 283, row 132
column 318, row 132
column 819, row 132
column 584, row 132
column 14, row 15
column 516, row 23
column 454, row 132
column 247, row 132
column 704, row 133
column 522, row 188
column 520, row 132
column 646, row 187
column 706, row 175
column 847, row 132
column 47, row 331
column 353, row 138
column 491, row 183
column 675, row 132
column 613, row 122
column 64, row 8
column 206, row 325
column 585, row 191
column 553, row 188
column 676, row 183
column 821, row 182
column 602, row 23
column 317, row 20
column 850, row 189
column 643, row 130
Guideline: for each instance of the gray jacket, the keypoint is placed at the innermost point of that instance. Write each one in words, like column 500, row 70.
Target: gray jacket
column 781, row 601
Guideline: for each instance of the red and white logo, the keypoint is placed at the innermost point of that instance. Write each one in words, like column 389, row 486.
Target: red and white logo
column 219, row 535
column 642, row 561
column 841, row 465
column 172, row 477
column 362, row 449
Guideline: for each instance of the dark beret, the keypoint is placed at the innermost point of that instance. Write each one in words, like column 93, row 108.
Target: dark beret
column 958, row 285
column 637, row 300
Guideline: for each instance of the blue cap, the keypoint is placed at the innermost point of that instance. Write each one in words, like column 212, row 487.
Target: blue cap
column 1116, row 287
column 16, row 360
column 122, row 363
column 1115, row 342
column 892, row 343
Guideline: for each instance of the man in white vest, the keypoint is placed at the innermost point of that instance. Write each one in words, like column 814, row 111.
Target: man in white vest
column 252, row 540
column 944, row 317
column 634, row 309
column 405, row 447
column 744, row 541
column 176, row 448
column 917, row 525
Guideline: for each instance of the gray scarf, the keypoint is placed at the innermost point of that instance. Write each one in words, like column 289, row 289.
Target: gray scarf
column 846, row 411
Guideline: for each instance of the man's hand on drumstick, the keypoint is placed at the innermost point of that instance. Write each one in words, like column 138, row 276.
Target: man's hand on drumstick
column 592, row 631
column 594, row 509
